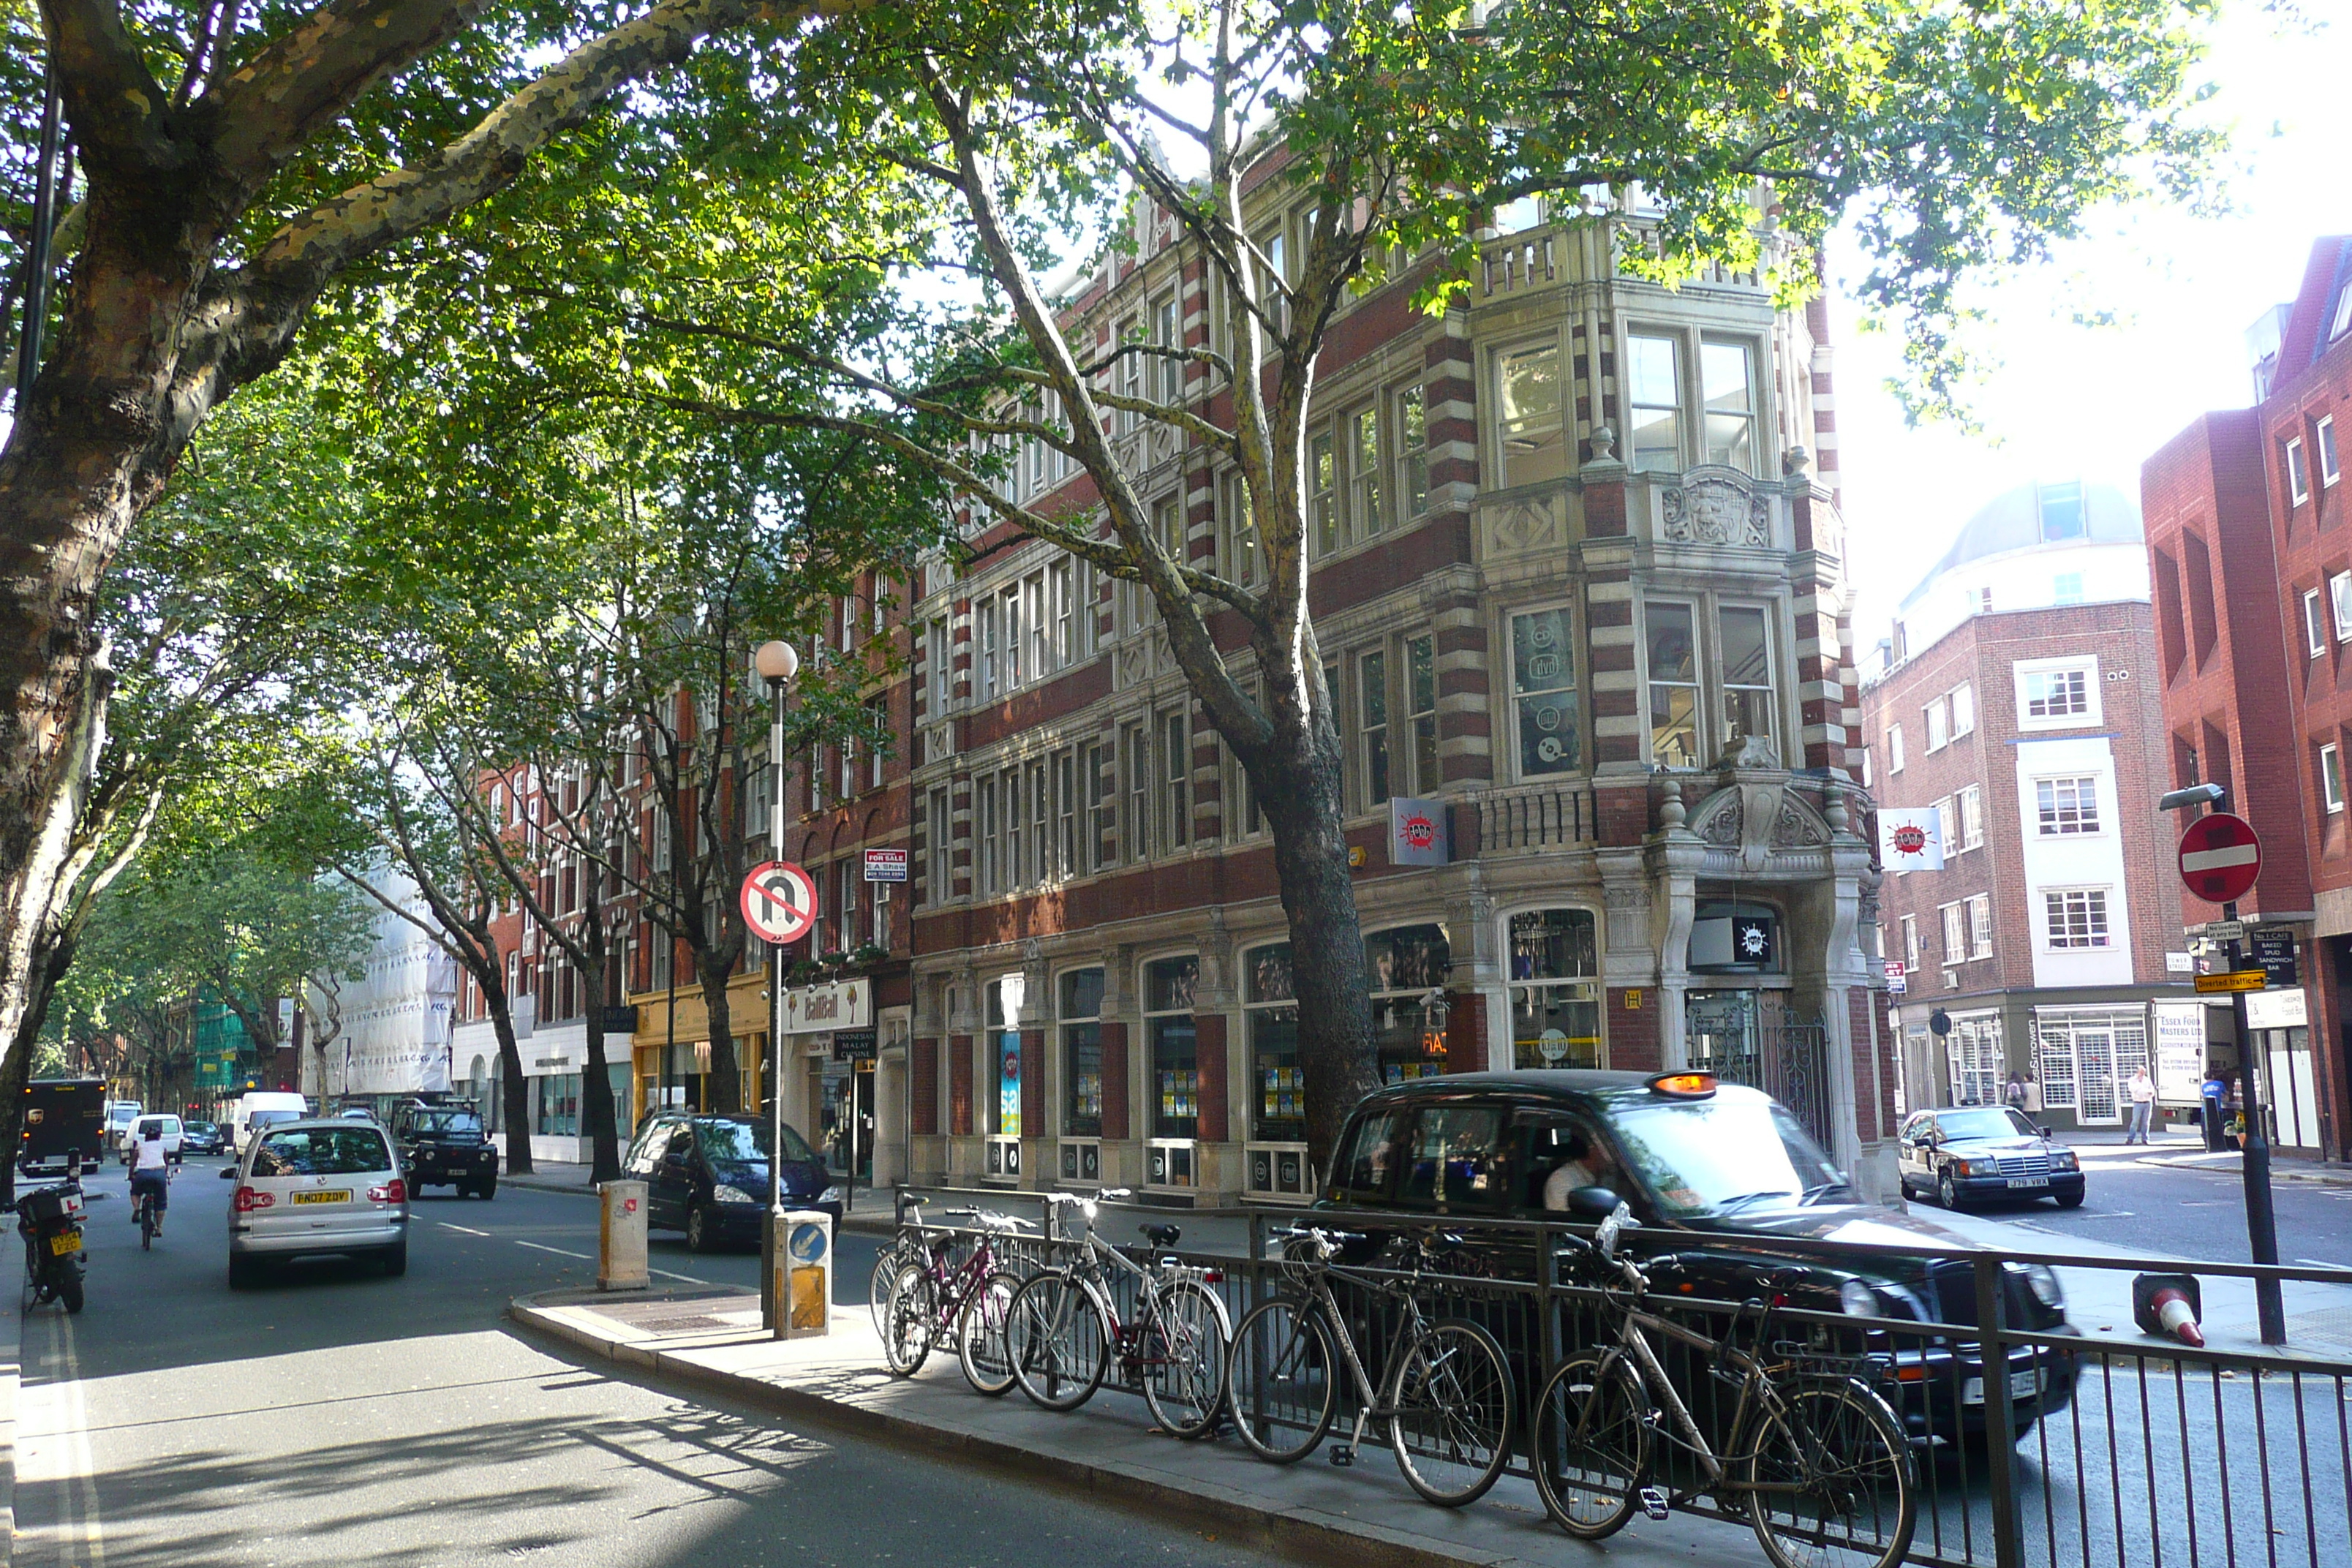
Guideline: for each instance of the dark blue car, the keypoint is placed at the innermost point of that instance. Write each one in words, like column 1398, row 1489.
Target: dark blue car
column 708, row 1177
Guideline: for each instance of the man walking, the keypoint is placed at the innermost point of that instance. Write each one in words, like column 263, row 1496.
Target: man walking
column 2143, row 1104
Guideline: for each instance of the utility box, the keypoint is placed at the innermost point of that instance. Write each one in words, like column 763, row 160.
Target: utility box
column 620, row 1237
column 803, row 1286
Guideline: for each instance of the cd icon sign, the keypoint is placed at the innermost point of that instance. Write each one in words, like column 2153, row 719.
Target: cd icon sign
column 1549, row 748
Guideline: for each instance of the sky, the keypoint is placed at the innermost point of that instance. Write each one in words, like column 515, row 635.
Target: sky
column 2081, row 402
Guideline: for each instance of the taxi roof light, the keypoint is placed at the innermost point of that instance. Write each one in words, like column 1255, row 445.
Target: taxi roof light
column 1684, row 1085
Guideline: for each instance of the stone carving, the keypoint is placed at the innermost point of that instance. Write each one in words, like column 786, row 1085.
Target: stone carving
column 1604, row 444
column 1722, row 826
column 1528, row 525
column 1624, row 896
column 1795, row 461
column 1798, row 827
column 1671, row 811
column 1748, row 751
column 1716, row 508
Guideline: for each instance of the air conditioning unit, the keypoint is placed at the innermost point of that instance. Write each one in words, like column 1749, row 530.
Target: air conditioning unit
column 1951, row 980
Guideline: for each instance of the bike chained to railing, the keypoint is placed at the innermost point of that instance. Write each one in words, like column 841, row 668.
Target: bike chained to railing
column 2130, row 1450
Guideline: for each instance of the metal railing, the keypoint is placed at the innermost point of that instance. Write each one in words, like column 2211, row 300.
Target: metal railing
column 2127, row 1449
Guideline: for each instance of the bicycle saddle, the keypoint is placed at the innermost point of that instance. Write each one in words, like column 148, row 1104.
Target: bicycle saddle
column 1160, row 1235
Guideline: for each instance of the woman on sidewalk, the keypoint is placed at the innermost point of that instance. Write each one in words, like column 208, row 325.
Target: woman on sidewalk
column 2143, row 1104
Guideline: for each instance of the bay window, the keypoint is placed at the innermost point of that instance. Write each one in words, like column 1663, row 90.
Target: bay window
column 1727, row 383
column 1543, row 693
column 1530, row 424
column 1654, row 401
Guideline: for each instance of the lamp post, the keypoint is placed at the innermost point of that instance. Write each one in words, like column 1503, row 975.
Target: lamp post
column 777, row 663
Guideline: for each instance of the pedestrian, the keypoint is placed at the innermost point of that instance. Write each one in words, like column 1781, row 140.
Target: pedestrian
column 2143, row 1104
column 2015, row 1093
column 2213, row 1092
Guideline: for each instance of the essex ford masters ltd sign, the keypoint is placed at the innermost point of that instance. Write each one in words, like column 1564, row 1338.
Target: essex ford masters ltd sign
column 844, row 1005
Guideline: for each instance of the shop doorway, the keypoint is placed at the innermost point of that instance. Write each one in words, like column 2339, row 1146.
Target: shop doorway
column 845, row 1120
column 1750, row 1037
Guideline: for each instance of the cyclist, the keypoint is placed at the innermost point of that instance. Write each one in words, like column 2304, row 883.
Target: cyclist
column 149, row 1175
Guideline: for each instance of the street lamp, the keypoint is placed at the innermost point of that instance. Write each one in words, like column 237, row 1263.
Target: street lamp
column 777, row 663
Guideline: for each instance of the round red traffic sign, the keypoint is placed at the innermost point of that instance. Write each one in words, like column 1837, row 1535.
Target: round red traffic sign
column 779, row 901
column 2219, row 857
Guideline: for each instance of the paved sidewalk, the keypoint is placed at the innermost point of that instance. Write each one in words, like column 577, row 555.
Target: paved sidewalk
column 1367, row 1514
column 2185, row 1151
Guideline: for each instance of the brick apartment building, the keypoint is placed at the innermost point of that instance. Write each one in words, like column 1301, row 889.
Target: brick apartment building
column 2018, row 698
column 2251, row 560
column 1615, row 662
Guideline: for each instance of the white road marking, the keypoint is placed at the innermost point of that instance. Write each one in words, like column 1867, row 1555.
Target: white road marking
column 688, row 1277
column 54, row 1446
column 2323, row 1263
column 557, row 1250
column 464, row 1229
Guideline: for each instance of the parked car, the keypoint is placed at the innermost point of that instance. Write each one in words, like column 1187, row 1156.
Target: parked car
column 136, row 1133
column 445, row 1145
column 1692, row 1157
column 1968, row 1154
column 201, row 1137
column 708, row 1177
column 312, row 1187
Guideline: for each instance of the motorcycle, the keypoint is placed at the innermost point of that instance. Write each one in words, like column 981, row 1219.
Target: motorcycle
column 50, row 1220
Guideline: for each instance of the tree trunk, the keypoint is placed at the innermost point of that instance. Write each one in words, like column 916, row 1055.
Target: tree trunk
column 1336, row 1059
column 596, row 1094
column 514, row 1094
column 16, row 1067
column 726, row 1080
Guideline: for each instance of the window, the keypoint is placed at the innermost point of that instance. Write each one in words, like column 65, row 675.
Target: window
column 1040, row 657
column 1168, row 527
column 1866, row 780
column 1420, row 699
column 1543, row 689
column 1911, row 942
column 1948, row 824
column 938, row 832
column 1001, row 1017
column 1413, row 452
column 1014, row 663
column 1956, row 932
column 983, row 832
column 2331, row 778
column 2341, row 322
column 2077, row 918
column 1130, row 375
column 1970, row 802
column 1746, row 660
column 1099, row 767
column 1176, row 775
column 1529, row 426
column 1372, row 703
column 1167, row 331
column 1980, row 926
column 1674, row 684
column 1008, row 805
column 1555, row 990
column 2339, row 601
column 1727, row 382
column 2315, row 632
column 2066, row 588
column 880, row 711
column 989, row 628
column 1040, row 843
column 1895, row 747
column 1323, row 502
column 1939, row 725
column 1064, row 593
column 940, row 656
column 1082, row 1053
column 2062, row 512
column 1137, row 742
column 1404, row 965
column 2298, row 475
column 1364, row 473
column 1654, row 401
column 1277, row 1091
column 1175, row 1065
column 2067, row 806
column 1066, row 860
column 2323, row 435
column 2057, row 694
column 1964, row 710
column 1238, row 551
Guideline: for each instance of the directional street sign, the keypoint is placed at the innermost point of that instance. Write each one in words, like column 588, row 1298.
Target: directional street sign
column 779, row 901
column 2235, row 980
column 2219, row 857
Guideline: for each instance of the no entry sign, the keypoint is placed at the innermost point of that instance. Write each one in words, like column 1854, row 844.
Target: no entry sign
column 2219, row 857
column 779, row 901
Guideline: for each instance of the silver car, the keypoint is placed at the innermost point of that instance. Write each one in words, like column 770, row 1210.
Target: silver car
column 317, row 1187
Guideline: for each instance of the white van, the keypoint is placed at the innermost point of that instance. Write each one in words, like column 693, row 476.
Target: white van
column 271, row 1105
column 167, row 1125
column 119, row 1115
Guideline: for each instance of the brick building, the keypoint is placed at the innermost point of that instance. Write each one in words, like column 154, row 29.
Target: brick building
column 2018, row 698
column 1614, row 663
column 2252, row 561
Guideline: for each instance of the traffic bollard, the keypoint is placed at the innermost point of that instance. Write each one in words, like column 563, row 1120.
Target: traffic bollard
column 803, row 1284
column 620, row 1260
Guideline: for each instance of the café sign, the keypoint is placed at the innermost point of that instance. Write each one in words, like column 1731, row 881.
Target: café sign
column 838, row 1005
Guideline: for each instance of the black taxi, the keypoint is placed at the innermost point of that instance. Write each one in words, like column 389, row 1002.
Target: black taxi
column 1717, row 1174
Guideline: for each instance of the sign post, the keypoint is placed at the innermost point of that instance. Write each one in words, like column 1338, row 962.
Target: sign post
column 779, row 902
column 2221, row 859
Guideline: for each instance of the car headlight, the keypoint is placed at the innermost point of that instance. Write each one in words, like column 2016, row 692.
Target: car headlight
column 1962, row 1168
column 2062, row 1160
column 1858, row 1299
column 834, row 1194
column 2042, row 1280
column 724, row 1193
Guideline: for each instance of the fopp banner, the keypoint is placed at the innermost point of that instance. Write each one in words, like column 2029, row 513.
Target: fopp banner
column 1910, row 839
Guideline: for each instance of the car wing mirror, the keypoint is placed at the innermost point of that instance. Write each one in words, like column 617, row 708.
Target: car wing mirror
column 2046, row 1133
column 1592, row 1203
column 229, row 1173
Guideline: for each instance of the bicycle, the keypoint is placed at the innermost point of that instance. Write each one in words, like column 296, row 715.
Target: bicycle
column 151, row 1222
column 1444, row 1391
column 1814, row 1458
column 942, row 1295
column 1063, row 1329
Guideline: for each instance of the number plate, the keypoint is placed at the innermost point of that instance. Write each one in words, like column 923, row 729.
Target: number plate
column 2029, row 1181
column 340, row 1195
column 69, row 1241
column 2021, row 1386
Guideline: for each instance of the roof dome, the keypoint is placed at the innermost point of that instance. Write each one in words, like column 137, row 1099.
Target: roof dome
column 2059, row 516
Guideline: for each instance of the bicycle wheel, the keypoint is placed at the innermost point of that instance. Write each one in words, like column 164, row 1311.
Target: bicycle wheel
column 911, row 1321
column 1184, row 1371
column 1058, row 1340
column 1282, row 1379
column 146, row 1226
column 1452, row 1427
column 893, row 1257
column 980, row 1334
column 1829, row 1480
column 1591, row 1446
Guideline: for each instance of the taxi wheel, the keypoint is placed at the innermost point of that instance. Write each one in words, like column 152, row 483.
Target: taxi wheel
column 1947, row 1191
